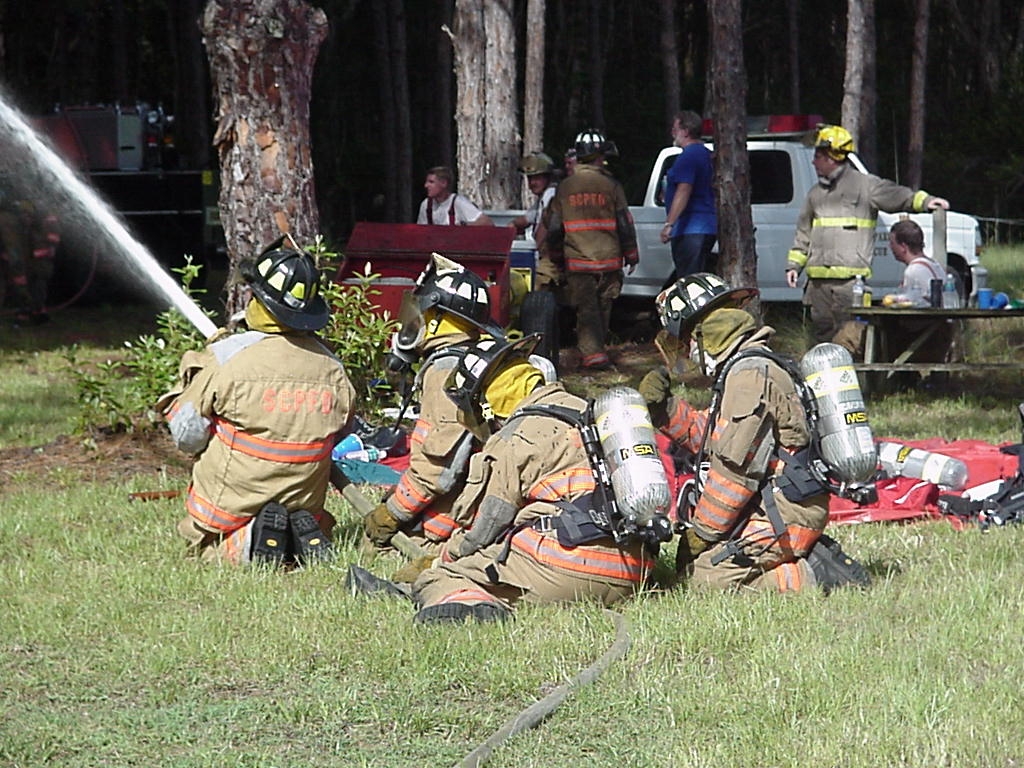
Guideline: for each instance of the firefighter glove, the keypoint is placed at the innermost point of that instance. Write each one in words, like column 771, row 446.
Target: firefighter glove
column 408, row 573
column 380, row 525
column 655, row 387
column 690, row 547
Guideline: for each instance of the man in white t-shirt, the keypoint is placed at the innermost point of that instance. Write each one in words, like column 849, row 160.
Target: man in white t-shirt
column 906, row 241
column 443, row 206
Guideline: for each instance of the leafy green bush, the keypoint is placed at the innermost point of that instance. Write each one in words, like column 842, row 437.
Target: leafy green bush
column 357, row 332
column 120, row 394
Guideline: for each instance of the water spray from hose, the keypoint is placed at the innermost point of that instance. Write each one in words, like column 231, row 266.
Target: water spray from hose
column 34, row 158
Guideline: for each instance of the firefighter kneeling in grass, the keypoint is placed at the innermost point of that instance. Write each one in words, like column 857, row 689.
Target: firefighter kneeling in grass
column 262, row 410
column 447, row 311
column 758, row 518
column 540, row 531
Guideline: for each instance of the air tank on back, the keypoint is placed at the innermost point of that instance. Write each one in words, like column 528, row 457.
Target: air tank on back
column 846, row 442
column 634, row 462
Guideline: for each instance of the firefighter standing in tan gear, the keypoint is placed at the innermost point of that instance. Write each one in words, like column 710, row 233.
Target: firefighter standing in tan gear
column 517, row 490
column 449, row 308
column 591, row 229
column 262, row 411
column 835, row 233
column 539, row 170
column 743, row 532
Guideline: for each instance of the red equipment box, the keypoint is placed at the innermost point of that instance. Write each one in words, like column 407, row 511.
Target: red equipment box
column 400, row 252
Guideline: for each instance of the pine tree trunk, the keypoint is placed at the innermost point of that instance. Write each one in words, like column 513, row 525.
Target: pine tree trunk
column 670, row 60
column 854, row 80
column 501, row 129
column 485, row 65
column 737, row 256
column 470, row 43
column 262, row 54
column 533, row 89
column 918, row 79
column 793, row 24
column 191, row 87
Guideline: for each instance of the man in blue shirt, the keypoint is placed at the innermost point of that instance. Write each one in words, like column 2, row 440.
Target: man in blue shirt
column 691, row 223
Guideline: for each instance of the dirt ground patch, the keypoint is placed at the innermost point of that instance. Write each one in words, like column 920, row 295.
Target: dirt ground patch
column 102, row 457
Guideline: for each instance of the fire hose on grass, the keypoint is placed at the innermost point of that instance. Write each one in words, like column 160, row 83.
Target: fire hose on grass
column 530, row 717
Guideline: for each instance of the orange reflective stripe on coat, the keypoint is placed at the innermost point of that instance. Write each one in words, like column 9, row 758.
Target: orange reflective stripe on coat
column 282, row 451
column 408, row 498
column 721, row 502
column 591, row 561
column 419, row 432
column 439, row 525
column 789, row 576
column 563, row 485
column 591, row 225
column 593, row 265
column 212, row 516
column 686, row 425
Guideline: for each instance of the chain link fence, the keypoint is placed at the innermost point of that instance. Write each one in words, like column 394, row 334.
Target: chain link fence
column 999, row 231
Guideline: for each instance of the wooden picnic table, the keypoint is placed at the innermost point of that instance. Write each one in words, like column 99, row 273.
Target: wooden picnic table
column 878, row 359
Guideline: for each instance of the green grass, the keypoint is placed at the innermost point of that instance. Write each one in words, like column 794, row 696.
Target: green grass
column 116, row 651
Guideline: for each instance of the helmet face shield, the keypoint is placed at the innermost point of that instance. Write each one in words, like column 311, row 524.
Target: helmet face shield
column 412, row 325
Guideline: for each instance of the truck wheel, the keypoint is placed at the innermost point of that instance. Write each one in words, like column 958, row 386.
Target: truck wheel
column 539, row 314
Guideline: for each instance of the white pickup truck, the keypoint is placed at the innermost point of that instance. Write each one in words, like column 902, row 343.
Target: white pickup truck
column 781, row 174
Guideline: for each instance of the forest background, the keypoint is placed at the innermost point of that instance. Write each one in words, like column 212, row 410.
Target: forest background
column 606, row 64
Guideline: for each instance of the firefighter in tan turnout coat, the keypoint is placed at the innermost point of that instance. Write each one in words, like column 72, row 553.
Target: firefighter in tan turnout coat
column 520, row 489
column 449, row 309
column 262, row 410
column 590, row 230
column 743, row 532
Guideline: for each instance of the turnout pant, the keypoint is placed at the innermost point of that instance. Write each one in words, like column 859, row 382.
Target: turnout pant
column 592, row 294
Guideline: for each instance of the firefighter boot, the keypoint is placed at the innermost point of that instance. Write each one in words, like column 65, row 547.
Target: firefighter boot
column 834, row 568
column 360, row 581
column 270, row 534
column 456, row 613
column 308, row 541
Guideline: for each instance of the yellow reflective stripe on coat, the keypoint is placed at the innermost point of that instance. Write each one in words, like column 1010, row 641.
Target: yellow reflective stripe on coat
column 282, row 451
column 844, row 222
column 591, row 561
column 837, row 273
column 797, row 257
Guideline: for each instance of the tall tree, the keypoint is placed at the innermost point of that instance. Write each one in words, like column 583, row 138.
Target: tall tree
column 533, row 85
column 669, row 59
column 393, row 91
column 853, row 82
column 488, row 151
column 867, row 146
column 737, row 256
column 191, row 85
column 793, row 25
column 596, row 62
column 262, row 54
column 442, row 116
column 918, row 69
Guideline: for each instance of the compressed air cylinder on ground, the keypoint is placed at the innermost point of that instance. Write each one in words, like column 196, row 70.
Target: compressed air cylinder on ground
column 899, row 460
column 634, row 463
column 846, row 442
